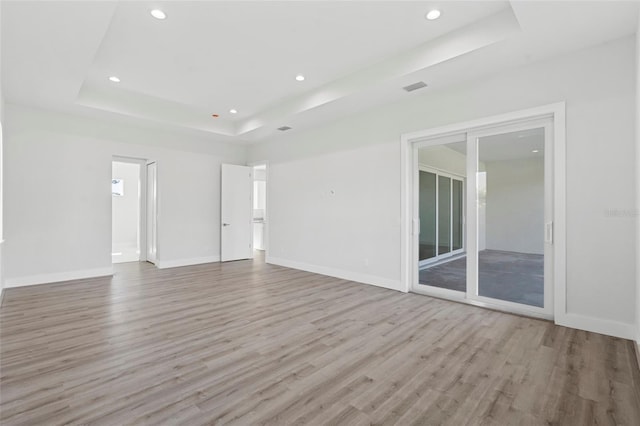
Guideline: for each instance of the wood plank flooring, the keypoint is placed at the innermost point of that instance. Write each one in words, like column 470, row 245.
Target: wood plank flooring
column 248, row 343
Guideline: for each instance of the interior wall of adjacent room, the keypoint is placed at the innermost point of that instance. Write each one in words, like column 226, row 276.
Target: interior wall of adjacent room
column 58, row 191
column 637, row 210
column 125, row 208
column 356, row 231
column 515, row 205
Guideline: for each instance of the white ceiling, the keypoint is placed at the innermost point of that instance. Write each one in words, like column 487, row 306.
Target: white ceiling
column 210, row 56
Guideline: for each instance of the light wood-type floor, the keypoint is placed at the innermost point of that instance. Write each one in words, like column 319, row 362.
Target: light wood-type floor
column 247, row 343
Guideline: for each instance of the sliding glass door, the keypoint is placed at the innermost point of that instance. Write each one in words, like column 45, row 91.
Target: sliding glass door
column 498, row 251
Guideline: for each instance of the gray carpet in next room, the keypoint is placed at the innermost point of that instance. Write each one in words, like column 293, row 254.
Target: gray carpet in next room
column 515, row 277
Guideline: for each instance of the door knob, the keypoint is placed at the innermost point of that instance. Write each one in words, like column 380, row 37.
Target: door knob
column 226, row 224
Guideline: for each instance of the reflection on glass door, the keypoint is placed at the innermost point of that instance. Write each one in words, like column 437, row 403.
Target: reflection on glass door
column 457, row 215
column 442, row 261
column 444, row 215
column 428, row 220
column 441, row 216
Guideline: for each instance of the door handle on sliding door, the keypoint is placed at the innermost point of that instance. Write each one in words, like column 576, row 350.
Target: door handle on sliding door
column 548, row 232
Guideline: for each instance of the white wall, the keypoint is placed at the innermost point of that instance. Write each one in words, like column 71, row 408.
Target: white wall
column 638, row 183
column 58, row 193
column 333, row 211
column 125, row 211
column 359, row 158
column 1, row 171
column 515, row 205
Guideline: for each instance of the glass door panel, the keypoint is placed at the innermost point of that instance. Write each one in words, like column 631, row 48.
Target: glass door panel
column 511, row 238
column 441, row 256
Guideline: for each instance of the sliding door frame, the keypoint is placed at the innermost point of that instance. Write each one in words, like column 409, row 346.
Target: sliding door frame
column 451, row 133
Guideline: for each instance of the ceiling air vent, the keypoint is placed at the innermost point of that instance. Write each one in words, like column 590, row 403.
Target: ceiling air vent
column 284, row 128
column 415, row 86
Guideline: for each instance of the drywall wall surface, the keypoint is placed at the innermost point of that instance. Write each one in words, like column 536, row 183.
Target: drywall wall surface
column 1, row 167
column 339, row 212
column 637, row 209
column 58, row 192
column 515, row 205
column 600, row 159
column 125, row 207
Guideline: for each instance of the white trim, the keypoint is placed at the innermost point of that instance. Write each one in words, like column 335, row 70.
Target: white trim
column 58, row 277
column 597, row 325
column 265, row 242
column 163, row 264
column 560, row 213
column 153, row 223
column 338, row 273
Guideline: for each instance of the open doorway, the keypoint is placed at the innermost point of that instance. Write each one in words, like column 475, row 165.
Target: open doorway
column 259, row 209
column 133, row 210
column 125, row 211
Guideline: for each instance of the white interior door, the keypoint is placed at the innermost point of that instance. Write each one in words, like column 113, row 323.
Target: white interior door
column 236, row 213
column 151, row 213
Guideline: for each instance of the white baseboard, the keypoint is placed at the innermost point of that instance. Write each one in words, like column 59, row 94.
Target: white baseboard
column 338, row 273
column 163, row 264
column 57, row 277
column 596, row 325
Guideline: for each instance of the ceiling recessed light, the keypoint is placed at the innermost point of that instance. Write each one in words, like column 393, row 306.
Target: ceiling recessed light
column 300, row 77
column 158, row 14
column 433, row 14
column 233, row 111
column 535, row 151
column 114, row 79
